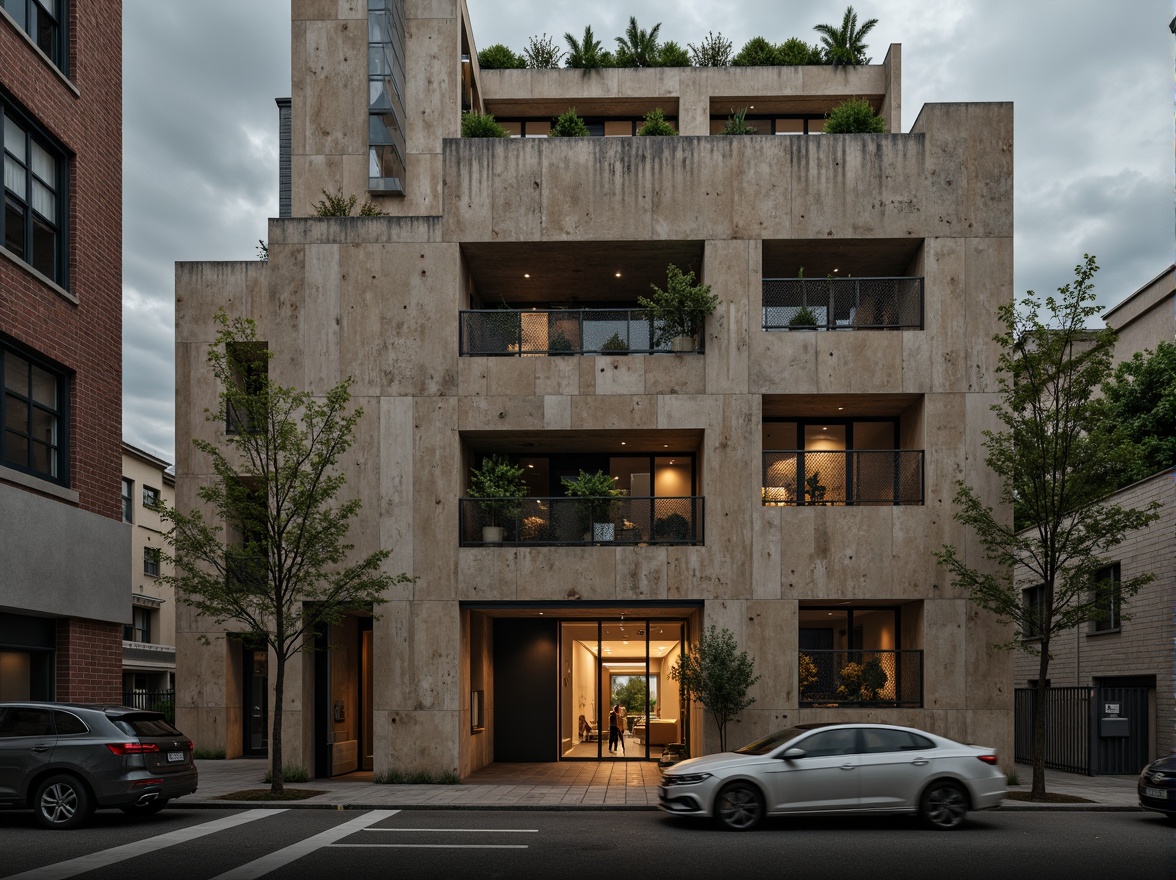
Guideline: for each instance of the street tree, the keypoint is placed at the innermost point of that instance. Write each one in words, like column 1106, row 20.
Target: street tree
column 1139, row 401
column 1057, row 470
column 271, row 557
column 717, row 677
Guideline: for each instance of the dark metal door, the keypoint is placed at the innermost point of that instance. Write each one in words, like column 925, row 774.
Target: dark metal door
column 1119, row 748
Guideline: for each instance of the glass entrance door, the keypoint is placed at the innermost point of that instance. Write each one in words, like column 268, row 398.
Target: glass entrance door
column 616, row 688
column 255, row 700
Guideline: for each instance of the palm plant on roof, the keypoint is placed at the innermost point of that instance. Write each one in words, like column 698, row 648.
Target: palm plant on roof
column 638, row 48
column 846, row 45
column 584, row 54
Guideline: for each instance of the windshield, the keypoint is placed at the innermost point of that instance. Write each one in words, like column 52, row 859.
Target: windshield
column 771, row 742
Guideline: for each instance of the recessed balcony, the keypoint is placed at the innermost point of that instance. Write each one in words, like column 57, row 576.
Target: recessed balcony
column 874, row 678
column 541, row 332
column 800, row 478
column 601, row 521
column 893, row 303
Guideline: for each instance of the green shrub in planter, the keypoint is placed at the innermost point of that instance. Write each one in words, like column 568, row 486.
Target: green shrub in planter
column 682, row 308
column 569, row 125
column 656, row 125
column 854, row 116
column 596, row 493
column 481, row 125
column 559, row 343
column 615, row 345
column 737, row 123
column 498, row 485
column 804, row 317
column 500, row 57
column 672, row 527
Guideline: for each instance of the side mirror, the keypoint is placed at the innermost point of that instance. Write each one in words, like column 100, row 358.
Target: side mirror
column 793, row 753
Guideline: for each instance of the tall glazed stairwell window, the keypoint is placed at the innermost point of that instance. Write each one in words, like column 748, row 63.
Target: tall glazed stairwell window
column 33, row 222
column 386, row 143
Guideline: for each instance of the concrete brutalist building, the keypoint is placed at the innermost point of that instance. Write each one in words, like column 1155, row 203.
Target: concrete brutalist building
column 789, row 483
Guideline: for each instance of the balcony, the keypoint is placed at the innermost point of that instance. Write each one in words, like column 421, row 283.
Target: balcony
column 857, row 477
column 571, row 522
column 843, row 303
column 841, row 678
column 555, row 332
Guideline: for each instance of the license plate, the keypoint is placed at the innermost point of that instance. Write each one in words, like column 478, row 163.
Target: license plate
column 175, row 757
column 1161, row 793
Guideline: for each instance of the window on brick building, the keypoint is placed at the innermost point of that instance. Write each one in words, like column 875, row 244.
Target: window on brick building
column 1108, row 597
column 33, row 224
column 43, row 21
column 33, row 412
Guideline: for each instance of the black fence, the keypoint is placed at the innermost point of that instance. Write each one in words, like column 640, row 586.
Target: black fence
column 569, row 521
column 554, row 332
column 843, row 303
column 888, row 476
column 1090, row 730
column 155, row 701
column 861, row 678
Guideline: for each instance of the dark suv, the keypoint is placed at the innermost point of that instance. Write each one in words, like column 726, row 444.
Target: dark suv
column 65, row 760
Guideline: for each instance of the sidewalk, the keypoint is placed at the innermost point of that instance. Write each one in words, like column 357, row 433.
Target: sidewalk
column 606, row 785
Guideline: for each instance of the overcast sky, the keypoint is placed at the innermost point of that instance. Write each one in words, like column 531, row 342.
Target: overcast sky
column 1091, row 82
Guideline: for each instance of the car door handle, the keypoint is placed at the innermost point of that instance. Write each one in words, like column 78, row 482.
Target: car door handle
column 40, row 748
column 919, row 762
column 849, row 766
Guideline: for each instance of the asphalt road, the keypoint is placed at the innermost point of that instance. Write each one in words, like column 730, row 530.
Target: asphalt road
column 198, row 844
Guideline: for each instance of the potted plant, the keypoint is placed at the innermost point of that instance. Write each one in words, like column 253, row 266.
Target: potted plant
column 597, row 493
column 559, row 344
column 680, row 311
column 672, row 527
column 615, row 345
column 814, row 489
column 804, row 319
column 499, row 488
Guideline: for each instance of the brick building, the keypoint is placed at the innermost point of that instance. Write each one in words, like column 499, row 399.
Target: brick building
column 64, row 587
column 789, row 483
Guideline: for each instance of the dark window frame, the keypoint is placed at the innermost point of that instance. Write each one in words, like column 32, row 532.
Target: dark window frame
column 1113, row 622
column 127, row 500
column 47, row 30
column 151, row 557
column 151, row 497
column 1032, row 598
column 34, row 225
column 139, row 629
column 61, row 413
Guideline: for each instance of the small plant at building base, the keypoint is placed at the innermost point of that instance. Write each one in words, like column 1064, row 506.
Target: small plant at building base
column 568, row 124
column 1012, row 777
column 655, row 125
column 670, row 54
column 416, row 777
column 718, row 678
column 290, row 773
column 614, row 344
column 737, row 123
column 713, row 51
column 807, row 675
column 542, row 53
column 338, row 205
column 854, row 116
column 804, row 317
column 681, row 309
column 862, row 682
column 500, row 57
column 208, row 754
column 481, row 125
column 498, row 485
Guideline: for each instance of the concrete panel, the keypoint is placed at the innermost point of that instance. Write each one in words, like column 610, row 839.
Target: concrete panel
column 436, row 644
column 727, row 348
column 393, row 659
column 989, row 267
column 557, row 412
column 767, row 621
column 620, row 374
column 488, row 574
column 395, row 469
column 945, row 657
column 563, row 573
column 499, row 413
column 614, row 411
column 510, row 376
column 557, row 375
column 437, row 483
column 641, row 574
column 674, row 374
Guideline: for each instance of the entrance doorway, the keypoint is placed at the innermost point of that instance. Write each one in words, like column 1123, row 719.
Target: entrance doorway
column 619, row 662
column 255, row 699
column 343, row 697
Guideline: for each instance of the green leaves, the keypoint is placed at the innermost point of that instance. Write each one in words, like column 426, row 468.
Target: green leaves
column 717, row 677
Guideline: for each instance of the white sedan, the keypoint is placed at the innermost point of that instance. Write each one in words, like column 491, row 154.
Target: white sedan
column 816, row 769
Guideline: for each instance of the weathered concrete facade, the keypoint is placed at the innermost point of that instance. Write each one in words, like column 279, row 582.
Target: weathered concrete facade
column 379, row 299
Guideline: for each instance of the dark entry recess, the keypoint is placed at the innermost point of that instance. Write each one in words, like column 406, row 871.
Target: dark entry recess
column 526, row 690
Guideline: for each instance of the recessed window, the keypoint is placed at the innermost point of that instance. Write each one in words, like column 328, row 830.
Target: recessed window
column 150, row 497
column 33, row 222
column 151, row 561
column 1108, row 597
column 139, row 629
column 128, row 496
column 249, row 364
column 34, row 415
column 43, row 21
column 1033, row 605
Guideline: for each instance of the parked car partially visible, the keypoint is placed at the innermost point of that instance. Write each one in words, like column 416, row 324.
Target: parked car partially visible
column 1157, row 786
column 831, row 769
column 64, row 760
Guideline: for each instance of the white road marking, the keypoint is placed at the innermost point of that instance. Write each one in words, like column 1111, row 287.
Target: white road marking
column 465, row 830
column 117, row 854
column 283, row 857
column 429, row 845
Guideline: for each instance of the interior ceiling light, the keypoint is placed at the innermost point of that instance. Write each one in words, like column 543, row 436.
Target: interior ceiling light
column 526, row 274
column 618, row 275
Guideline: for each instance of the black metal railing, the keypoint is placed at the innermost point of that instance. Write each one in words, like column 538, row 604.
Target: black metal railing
column 554, row 332
column 843, row 303
column 572, row 521
column 861, row 678
column 156, row 701
column 794, row 477
column 1067, row 727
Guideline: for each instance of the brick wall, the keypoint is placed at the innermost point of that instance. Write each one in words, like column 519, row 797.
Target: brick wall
column 89, row 661
column 84, row 337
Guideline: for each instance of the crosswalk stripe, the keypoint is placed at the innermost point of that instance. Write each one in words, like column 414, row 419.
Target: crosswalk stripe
column 463, row 830
column 106, row 857
column 283, row 857
column 429, row 846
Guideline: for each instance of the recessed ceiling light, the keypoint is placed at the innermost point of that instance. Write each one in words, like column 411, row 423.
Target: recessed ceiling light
column 618, row 275
column 526, row 274
column 622, row 442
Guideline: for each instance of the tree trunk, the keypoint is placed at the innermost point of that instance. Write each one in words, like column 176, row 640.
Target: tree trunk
column 1038, row 791
column 277, row 783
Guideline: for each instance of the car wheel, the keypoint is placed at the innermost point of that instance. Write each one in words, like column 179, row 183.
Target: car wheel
column 62, row 802
column 739, row 807
column 944, row 806
column 148, row 809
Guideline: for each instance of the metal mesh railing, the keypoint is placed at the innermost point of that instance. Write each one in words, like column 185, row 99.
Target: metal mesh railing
column 843, row 303
column 887, row 476
column 547, row 333
column 621, row 520
column 861, row 677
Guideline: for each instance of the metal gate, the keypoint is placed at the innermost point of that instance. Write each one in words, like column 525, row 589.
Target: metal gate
column 1097, row 731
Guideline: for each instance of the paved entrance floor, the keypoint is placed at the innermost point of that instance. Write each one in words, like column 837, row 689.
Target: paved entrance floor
column 565, row 785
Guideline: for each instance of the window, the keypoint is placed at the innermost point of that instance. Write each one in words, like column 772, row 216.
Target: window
column 128, row 505
column 151, row 561
column 150, row 497
column 34, row 416
column 43, row 21
column 33, row 222
column 842, row 741
column 1108, row 597
column 386, row 78
column 1033, row 605
column 139, row 629
column 250, row 368
column 22, row 721
column 68, row 724
column 876, row 740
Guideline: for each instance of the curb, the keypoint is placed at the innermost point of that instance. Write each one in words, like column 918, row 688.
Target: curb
column 579, row 808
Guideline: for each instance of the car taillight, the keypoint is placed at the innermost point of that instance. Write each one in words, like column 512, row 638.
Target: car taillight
column 191, row 746
column 132, row 748
column 988, row 759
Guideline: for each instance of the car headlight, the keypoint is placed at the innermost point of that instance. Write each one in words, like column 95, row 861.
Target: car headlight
column 685, row 778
